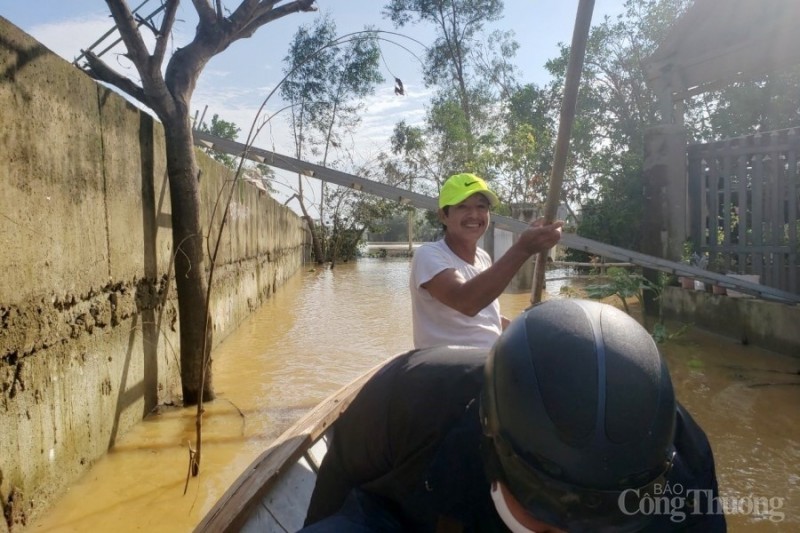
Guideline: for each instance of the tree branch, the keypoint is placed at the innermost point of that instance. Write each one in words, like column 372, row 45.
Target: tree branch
column 265, row 12
column 153, row 92
column 100, row 71
column 205, row 12
column 245, row 13
column 129, row 31
column 163, row 35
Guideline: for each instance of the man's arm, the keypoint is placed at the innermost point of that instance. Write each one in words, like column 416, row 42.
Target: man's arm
column 469, row 297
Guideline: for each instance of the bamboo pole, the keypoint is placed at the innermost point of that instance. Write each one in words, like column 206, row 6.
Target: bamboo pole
column 577, row 51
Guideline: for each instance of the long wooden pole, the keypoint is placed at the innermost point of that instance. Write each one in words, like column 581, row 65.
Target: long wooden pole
column 580, row 35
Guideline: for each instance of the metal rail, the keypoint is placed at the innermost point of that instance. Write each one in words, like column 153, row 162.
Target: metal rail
column 407, row 197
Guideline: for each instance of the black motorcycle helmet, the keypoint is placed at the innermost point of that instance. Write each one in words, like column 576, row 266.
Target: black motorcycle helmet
column 579, row 414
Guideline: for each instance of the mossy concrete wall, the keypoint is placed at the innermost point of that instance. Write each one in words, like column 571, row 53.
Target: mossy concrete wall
column 88, row 317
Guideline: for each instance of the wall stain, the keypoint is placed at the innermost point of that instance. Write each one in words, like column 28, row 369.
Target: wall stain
column 13, row 509
column 39, row 324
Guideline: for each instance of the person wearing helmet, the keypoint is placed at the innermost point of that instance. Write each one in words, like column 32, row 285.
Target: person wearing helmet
column 577, row 431
column 454, row 285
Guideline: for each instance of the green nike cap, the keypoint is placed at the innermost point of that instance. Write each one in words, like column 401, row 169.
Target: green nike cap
column 459, row 187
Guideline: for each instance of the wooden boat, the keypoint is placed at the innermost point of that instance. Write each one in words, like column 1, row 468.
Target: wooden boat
column 273, row 493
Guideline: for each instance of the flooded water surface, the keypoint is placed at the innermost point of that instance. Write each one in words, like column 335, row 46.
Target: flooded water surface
column 325, row 327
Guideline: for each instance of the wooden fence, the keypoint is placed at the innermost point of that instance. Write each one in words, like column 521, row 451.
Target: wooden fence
column 744, row 200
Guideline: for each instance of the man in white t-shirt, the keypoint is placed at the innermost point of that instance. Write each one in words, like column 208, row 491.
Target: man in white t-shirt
column 454, row 285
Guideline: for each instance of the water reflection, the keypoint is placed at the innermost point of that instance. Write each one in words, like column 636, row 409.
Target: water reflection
column 325, row 327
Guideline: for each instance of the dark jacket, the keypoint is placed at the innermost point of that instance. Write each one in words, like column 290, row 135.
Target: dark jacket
column 411, row 439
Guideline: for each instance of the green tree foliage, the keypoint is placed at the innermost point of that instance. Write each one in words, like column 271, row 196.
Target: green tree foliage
column 352, row 213
column 459, row 126
column 413, row 163
column 229, row 130
column 622, row 284
column 327, row 80
column 768, row 103
column 615, row 105
column 613, row 216
column 224, row 130
column 523, row 158
column 458, row 25
column 482, row 120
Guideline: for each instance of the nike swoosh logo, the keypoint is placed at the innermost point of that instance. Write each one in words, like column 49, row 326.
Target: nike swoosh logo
column 467, row 184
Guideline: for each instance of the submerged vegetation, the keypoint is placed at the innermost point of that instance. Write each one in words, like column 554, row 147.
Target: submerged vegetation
column 623, row 284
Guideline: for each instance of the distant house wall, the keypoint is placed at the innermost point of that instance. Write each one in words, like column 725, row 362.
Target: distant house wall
column 88, row 314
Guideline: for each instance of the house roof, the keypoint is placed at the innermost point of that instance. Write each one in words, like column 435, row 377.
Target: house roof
column 716, row 42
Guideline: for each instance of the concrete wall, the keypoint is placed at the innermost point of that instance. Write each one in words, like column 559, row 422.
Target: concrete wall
column 88, row 316
column 769, row 325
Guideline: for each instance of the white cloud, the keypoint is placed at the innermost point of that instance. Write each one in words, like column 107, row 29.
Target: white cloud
column 66, row 38
column 241, row 105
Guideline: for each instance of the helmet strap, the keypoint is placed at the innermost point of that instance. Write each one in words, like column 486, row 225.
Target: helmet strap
column 501, row 506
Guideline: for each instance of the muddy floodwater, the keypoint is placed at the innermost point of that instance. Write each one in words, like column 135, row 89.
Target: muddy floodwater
column 325, row 327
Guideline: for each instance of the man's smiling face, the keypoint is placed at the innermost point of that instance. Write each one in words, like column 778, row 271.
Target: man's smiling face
column 467, row 220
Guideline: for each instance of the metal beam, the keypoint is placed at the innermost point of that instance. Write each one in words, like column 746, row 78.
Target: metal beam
column 407, row 197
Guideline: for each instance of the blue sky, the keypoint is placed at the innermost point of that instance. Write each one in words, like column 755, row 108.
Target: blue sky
column 235, row 83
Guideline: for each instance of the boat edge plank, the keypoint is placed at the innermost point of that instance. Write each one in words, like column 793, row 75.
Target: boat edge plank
column 232, row 509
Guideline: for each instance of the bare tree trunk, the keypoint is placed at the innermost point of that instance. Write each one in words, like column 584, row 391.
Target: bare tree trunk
column 315, row 240
column 410, row 231
column 190, row 271
column 316, row 244
column 168, row 93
